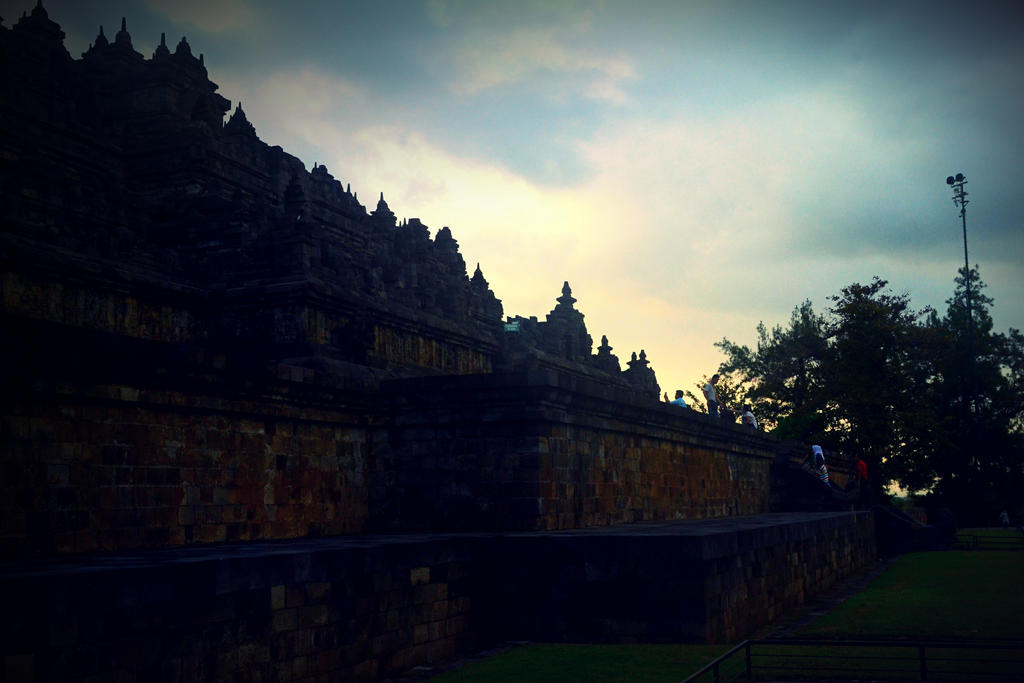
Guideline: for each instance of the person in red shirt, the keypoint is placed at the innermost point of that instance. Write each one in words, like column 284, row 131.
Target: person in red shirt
column 862, row 481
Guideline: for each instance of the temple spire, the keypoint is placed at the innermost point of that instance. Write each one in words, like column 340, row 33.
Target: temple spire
column 123, row 38
column 605, row 359
column 161, row 50
column 566, row 299
column 183, row 48
column 478, row 280
column 239, row 123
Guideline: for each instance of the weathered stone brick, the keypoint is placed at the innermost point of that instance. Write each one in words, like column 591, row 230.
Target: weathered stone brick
column 285, row 620
column 312, row 616
column 419, row 575
column 318, row 591
column 295, row 595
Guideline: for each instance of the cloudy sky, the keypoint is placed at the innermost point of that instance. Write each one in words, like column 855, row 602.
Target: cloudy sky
column 691, row 168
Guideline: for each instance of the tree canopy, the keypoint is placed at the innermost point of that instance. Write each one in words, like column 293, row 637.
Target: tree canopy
column 932, row 404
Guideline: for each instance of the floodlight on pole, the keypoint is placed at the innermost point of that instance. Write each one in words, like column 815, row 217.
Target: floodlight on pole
column 957, row 183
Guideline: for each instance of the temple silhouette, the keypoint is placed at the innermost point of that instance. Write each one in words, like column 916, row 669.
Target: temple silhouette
column 286, row 262
column 253, row 431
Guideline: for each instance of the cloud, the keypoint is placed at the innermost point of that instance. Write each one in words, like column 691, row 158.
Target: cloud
column 811, row 176
column 212, row 16
column 487, row 60
column 738, row 218
column 308, row 110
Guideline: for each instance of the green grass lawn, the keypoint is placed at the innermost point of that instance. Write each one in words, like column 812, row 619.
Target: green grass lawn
column 941, row 595
column 955, row 594
column 567, row 663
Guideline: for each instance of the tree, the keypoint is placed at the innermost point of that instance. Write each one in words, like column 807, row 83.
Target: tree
column 979, row 387
column 930, row 402
column 780, row 378
column 871, row 375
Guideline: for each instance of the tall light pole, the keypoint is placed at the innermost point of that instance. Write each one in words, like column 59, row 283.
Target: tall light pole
column 957, row 183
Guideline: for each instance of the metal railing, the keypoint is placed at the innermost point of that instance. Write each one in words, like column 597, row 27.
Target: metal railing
column 799, row 659
column 983, row 542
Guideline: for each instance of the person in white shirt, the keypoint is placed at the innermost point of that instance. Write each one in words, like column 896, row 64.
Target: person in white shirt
column 678, row 401
column 819, row 465
column 748, row 417
column 710, row 397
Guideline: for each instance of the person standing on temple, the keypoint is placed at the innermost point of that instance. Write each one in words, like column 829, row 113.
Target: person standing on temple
column 711, row 397
column 748, row 417
column 678, row 400
column 862, row 482
column 820, row 469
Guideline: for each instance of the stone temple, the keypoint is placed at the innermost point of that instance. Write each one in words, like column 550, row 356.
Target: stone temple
column 252, row 430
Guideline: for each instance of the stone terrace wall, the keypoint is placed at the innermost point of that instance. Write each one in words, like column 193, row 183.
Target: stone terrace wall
column 329, row 610
column 757, row 574
column 137, row 447
column 714, row 581
column 367, row 608
column 114, row 467
column 146, row 445
column 549, row 450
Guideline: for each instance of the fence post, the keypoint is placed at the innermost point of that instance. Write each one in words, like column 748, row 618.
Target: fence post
column 746, row 651
column 924, row 665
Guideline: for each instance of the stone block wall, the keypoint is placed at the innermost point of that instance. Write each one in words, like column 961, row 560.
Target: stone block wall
column 342, row 611
column 757, row 575
column 546, row 450
column 368, row 608
column 115, row 466
column 404, row 348
column 139, row 447
column 79, row 306
column 711, row 581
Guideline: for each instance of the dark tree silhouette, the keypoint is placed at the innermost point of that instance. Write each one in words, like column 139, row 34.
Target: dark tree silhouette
column 873, row 377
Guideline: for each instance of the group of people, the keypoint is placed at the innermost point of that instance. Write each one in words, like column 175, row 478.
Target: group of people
column 746, row 418
column 815, row 460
